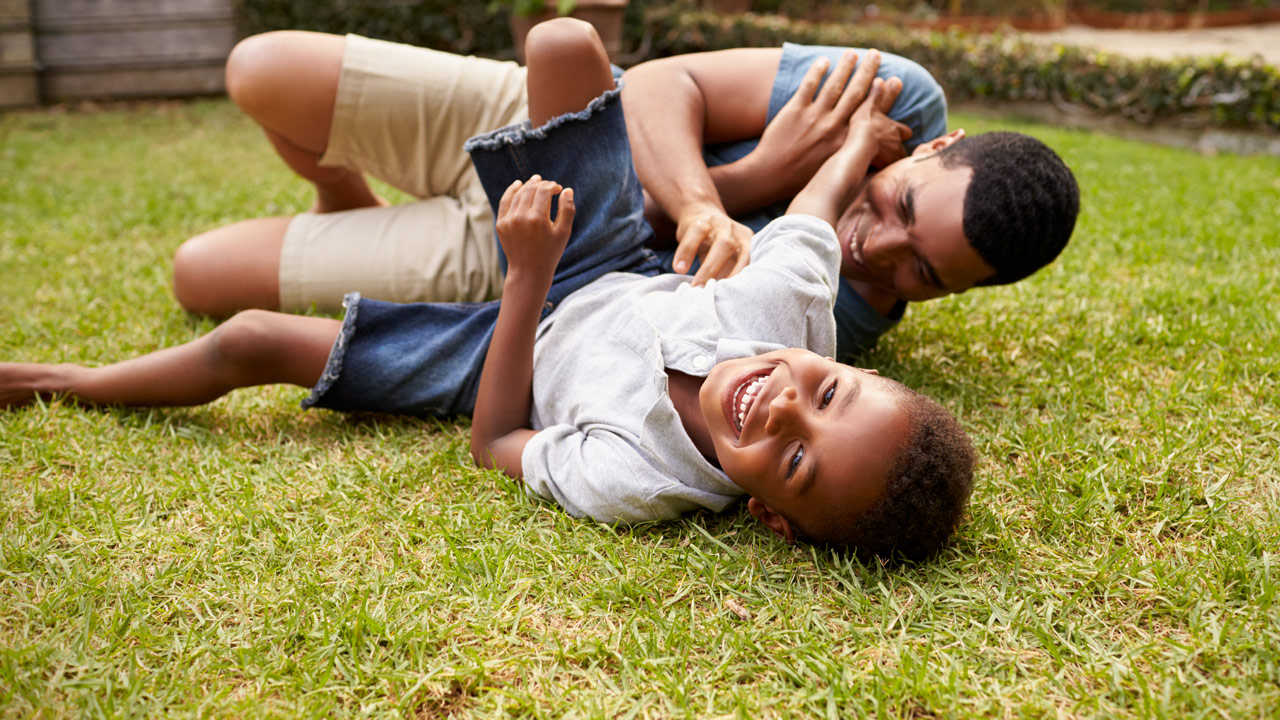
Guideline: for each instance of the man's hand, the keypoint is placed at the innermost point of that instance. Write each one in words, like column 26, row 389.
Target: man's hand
column 531, row 241
column 706, row 232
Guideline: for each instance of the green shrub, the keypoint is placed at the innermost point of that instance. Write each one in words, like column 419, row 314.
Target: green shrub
column 459, row 27
column 473, row 27
column 1221, row 92
column 1218, row 92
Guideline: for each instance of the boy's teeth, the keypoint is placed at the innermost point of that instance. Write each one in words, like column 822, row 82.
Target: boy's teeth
column 748, row 396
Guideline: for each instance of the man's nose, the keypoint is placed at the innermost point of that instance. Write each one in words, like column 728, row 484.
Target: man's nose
column 885, row 244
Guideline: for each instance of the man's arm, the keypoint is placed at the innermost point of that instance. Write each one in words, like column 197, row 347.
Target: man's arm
column 533, row 245
column 676, row 105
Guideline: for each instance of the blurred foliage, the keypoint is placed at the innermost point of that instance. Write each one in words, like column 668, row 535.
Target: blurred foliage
column 1170, row 6
column 472, row 27
column 1206, row 92
column 458, row 27
column 1221, row 91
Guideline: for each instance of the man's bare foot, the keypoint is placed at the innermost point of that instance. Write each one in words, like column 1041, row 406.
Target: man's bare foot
column 22, row 383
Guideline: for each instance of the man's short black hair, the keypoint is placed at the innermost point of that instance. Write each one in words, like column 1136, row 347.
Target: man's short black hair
column 926, row 489
column 1021, row 205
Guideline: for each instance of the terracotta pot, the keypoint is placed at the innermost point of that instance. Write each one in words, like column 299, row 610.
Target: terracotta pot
column 605, row 15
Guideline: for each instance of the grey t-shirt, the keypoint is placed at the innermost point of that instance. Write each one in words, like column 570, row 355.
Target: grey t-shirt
column 610, row 444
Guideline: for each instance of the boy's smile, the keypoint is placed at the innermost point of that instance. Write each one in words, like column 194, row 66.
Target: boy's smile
column 808, row 438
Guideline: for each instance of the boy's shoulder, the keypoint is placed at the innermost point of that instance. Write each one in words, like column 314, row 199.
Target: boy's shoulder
column 801, row 245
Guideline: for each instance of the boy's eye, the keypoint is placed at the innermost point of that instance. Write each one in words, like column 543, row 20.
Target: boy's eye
column 795, row 462
column 828, row 396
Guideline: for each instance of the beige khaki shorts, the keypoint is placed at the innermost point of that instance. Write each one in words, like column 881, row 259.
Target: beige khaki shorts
column 402, row 115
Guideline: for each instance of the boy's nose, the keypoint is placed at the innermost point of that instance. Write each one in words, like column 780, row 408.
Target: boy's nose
column 782, row 410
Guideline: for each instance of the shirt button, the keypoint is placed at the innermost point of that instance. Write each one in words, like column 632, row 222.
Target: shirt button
column 700, row 362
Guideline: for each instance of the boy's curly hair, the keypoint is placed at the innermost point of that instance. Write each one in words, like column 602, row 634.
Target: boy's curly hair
column 926, row 490
column 1021, row 205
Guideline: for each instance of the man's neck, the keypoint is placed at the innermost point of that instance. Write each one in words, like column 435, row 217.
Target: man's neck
column 879, row 300
column 683, row 390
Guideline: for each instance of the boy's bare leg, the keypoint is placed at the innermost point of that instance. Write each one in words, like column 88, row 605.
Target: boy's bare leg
column 253, row 348
column 288, row 83
column 551, row 50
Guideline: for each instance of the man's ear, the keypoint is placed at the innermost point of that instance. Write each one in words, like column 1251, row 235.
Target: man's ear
column 932, row 146
column 772, row 520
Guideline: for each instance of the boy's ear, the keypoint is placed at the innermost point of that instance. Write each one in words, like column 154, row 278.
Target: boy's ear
column 932, row 146
column 772, row 520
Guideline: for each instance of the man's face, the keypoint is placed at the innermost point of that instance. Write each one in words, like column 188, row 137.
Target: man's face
column 803, row 434
column 903, row 234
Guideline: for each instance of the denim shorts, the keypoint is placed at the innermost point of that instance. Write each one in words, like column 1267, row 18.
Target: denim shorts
column 426, row 358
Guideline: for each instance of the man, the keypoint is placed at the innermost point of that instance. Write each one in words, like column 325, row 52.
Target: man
column 714, row 135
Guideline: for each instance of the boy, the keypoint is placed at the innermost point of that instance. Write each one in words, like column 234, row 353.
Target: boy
column 650, row 397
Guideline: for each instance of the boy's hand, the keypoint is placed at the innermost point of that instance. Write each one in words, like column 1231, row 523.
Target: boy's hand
column 870, row 132
column 814, row 123
column 531, row 241
column 871, row 124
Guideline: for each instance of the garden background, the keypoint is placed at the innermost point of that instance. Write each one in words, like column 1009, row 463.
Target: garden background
column 249, row 559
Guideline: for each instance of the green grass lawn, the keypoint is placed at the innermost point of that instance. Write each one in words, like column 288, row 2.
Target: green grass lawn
column 1120, row 556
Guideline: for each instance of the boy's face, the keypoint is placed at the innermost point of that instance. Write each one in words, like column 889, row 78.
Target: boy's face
column 903, row 234
column 802, row 434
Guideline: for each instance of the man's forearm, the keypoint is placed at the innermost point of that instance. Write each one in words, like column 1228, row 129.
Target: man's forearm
column 665, row 124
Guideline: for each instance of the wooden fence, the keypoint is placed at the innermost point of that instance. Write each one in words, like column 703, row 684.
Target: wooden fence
column 81, row 49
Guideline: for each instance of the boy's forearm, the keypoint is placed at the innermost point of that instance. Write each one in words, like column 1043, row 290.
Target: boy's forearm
column 505, row 397
column 830, row 189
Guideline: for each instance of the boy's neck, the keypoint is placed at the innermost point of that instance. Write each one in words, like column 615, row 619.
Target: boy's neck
column 683, row 390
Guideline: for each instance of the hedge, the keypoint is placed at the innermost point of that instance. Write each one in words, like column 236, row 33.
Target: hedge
column 1201, row 92
column 1206, row 92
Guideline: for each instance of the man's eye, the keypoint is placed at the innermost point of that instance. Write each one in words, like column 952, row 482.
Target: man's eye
column 828, row 396
column 795, row 462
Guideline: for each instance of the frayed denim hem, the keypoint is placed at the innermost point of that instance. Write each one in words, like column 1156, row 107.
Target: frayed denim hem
column 518, row 133
column 333, row 366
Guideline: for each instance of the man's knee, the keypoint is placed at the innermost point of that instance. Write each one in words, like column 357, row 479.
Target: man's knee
column 251, row 68
column 190, row 286
column 560, row 41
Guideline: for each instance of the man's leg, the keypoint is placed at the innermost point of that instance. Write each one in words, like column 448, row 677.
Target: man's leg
column 230, row 268
column 252, row 348
column 361, row 106
column 287, row 81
